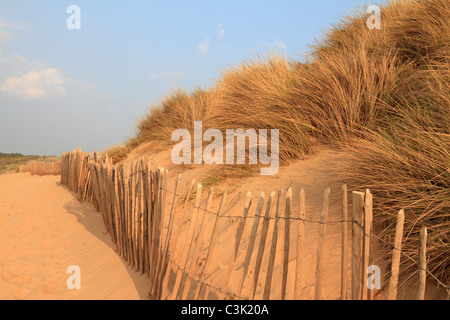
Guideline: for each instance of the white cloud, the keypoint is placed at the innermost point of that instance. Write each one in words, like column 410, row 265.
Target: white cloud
column 203, row 46
column 220, row 31
column 36, row 84
column 167, row 75
column 277, row 45
column 6, row 29
column 11, row 25
column 16, row 65
column 5, row 35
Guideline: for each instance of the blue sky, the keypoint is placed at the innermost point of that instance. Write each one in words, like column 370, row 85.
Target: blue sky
column 61, row 89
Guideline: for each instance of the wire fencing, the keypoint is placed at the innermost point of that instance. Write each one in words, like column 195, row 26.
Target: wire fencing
column 175, row 242
column 41, row 168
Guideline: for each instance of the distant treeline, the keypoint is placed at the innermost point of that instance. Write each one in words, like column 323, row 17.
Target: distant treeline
column 15, row 155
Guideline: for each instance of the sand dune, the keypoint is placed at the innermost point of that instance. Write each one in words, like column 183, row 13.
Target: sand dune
column 314, row 175
column 44, row 230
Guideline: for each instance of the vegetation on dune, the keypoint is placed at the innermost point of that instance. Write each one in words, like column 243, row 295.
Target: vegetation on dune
column 10, row 162
column 382, row 95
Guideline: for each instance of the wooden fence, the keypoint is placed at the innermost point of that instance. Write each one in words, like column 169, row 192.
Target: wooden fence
column 132, row 200
column 42, row 168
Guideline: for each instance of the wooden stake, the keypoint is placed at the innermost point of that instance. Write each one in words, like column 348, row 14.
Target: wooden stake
column 262, row 245
column 357, row 237
column 173, row 244
column 195, row 255
column 239, row 232
column 145, row 210
column 212, row 242
column 396, row 255
column 159, row 225
column 273, row 250
column 139, row 216
column 344, row 273
column 131, row 217
column 251, row 242
column 121, row 193
column 321, row 244
column 166, row 253
column 366, row 243
column 287, row 231
column 300, row 240
column 420, row 293
column 189, row 239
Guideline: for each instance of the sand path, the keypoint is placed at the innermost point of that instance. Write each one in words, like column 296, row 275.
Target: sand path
column 43, row 231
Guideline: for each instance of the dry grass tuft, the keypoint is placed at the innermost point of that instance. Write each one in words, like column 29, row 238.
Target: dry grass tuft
column 381, row 94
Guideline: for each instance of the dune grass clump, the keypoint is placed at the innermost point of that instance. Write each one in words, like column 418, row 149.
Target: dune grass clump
column 406, row 164
column 382, row 95
column 405, row 158
column 178, row 110
column 260, row 94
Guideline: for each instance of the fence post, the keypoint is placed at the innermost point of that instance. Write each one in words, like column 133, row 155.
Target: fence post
column 173, row 244
column 239, row 232
column 396, row 254
column 187, row 244
column 251, row 242
column 212, row 242
column 151, row 199
column 300, row 239
column 366, row 292
column 287, row 232
column 420, row 294
column 159, row 224
column 139, row 216
column 321, row 244
column 198, row 241
column 127, row 212
column 145, row 210
column 133, row 214
column 262, row 245
column 357, row 238
column 273, row 250
column 344, row 272
column 166, row 253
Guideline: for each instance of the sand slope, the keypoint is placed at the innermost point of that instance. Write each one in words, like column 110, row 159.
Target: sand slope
column 314, row 175
column 43, row 230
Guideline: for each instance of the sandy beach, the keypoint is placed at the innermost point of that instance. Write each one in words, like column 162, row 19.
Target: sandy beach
column 43, row 231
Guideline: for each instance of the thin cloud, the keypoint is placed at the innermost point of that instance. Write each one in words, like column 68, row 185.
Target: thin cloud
column 7, row 29
column 203, row 46
column 11, row 25
column 220, row 31
column 36, row 84
column 277, row 45
column 5, row 35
